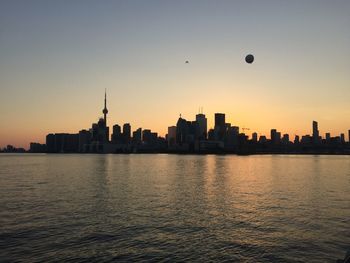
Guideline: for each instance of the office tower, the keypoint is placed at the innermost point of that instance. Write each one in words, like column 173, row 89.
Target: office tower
column 220, row 119
column 254, row 137
column 328, row 137
column 296, row 139
column 262, row 139
column 315, row 132
column 285, row 138
column 137, row 136
column 149, row 137
column 220, row 126
column 202, row 124
column 171, row 135
column 117, row 134
column 100, row 132
column 275, row 136
column 211, row 134
column 127, row 132
column 342, row 138
column 232, row 136
column 181, row 131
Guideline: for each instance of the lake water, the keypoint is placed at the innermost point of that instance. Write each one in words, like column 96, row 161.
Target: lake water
column 174, row 207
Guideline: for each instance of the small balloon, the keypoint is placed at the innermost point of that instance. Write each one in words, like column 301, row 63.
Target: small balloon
column 249, row 58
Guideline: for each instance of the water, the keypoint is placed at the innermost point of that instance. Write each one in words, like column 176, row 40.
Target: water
column 174, row 207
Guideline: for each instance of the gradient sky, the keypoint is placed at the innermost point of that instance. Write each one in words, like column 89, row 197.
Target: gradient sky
column 57, row 57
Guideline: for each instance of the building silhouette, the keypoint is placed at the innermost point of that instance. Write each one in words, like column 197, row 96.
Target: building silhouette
column 187, row 136
column 220, row 127
column 127, row 133
column 202, row 126
column 117, row 134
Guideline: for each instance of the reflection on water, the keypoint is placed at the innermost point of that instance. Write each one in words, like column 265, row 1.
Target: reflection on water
column 194, row 208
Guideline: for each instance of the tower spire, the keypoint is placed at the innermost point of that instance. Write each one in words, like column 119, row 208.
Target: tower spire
column 105, row 111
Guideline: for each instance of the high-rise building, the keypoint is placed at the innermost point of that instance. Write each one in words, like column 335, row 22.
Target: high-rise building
column 328, row 137
column 296, row 139
column 220, row 127
column 149, row 137
column 349, row 136
column 202, row 125
column 117, row 134
column 100, row 132
column 342, row 138
column 254, row 137
column 137, row 136
column 232, row 137
column 182, row 131
column 315, row 133
column 171, row 136
column 127, row 132
column 285, row 138
column 275, row 136
column 220, row 119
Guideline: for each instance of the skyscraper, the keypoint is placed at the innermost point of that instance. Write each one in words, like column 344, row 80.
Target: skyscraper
column 315, row 132
column 127, row 132
column 220, row 126
column 254, row 137
column 171, row 135
column 202, row 124
column 117, row 134
column 219, row 119
column 137, row 136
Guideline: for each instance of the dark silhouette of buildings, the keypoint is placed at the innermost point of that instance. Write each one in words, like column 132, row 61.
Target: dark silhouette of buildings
column 37, row 147
column 220, row 127
column 187, row 137
column 12, row 149
column 315, row 132
column 117, row 134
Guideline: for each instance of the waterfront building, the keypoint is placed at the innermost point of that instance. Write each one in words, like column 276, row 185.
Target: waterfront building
column 202, row 125
column 171, row 138
column 220, row 127
column 84, row 140
column 315, row 133
column 254, row 137
column 117, row 134
column 127, row 133
column 137, row 136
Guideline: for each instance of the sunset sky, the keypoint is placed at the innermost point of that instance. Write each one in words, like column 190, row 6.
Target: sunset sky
column 58, row 57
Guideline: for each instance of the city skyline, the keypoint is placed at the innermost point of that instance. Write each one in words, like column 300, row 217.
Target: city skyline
column 186, row 136
column 52, row 74
column 244, row 129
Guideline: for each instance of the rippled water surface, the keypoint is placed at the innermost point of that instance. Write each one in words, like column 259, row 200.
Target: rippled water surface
column 174, row 207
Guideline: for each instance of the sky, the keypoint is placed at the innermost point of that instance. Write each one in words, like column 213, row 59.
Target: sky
column 58, row 57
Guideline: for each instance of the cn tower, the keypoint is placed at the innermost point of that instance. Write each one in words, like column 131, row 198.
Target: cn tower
column 105, row 111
